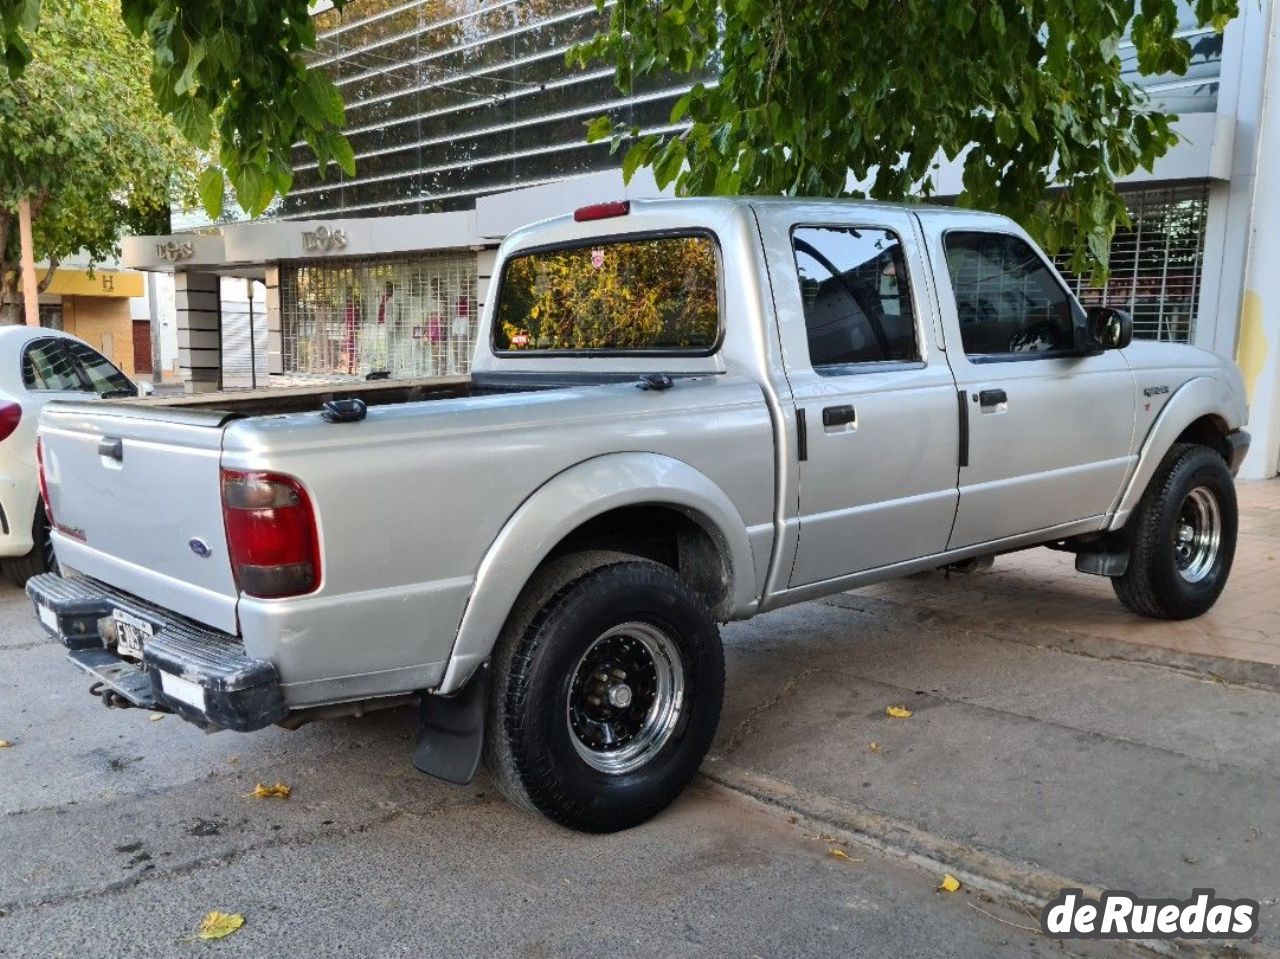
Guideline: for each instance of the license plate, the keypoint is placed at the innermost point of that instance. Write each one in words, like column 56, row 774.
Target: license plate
column 131, row 633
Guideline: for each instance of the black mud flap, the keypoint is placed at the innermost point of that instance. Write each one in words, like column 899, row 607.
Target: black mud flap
column 451, row 731
column 1109, row 556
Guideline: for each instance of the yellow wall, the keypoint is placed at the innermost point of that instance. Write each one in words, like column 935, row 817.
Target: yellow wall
column 90, row 317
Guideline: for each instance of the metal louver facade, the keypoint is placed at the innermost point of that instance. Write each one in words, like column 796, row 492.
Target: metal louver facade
column 1157, row 263
column 448, row 100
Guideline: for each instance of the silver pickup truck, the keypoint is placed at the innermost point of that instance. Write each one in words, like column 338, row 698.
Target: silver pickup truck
column 681, row 413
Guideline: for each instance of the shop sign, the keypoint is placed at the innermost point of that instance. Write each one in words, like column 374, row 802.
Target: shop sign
column 174, row 251
column 323, row 240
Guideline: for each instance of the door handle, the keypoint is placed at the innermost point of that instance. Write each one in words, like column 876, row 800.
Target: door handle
column 839, row 415
column 993, row 397
column 111, row 448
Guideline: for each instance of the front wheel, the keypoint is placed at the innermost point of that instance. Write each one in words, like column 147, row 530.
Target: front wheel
column 1183, row 537
column 606, row 697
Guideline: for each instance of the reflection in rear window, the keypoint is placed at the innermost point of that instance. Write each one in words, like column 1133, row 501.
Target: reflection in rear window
column 651, row 294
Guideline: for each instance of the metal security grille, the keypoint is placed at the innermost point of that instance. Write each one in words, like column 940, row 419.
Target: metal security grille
column 412, row 317
column 1156, row 264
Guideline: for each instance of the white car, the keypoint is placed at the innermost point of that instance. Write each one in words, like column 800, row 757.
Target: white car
column 38, row 365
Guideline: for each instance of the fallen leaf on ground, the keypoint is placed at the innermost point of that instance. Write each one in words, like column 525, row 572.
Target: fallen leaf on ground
column 156, row 717
column 278, row 791
column 219, row 925
column 949, row 883
column 898, row 712
column 877, row 748
column 837, row 853
column 5, row 744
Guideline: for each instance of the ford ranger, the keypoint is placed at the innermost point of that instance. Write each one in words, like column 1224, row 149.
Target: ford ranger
column 680, row 413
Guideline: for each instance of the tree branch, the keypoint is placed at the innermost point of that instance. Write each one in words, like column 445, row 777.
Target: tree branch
column 48, row 277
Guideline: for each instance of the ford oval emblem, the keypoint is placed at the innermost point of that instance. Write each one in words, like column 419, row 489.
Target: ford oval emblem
column 199, row 547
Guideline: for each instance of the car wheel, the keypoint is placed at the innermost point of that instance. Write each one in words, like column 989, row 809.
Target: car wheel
column 608, row 683
column 1183, row 537
column 41, row 559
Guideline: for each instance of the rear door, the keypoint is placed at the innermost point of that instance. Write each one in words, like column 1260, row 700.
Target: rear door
column 875, row 395
column 136, row 501
column 1049, row 429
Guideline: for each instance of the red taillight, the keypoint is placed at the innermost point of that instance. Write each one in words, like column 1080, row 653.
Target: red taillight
column 602, row 211
column 10, row 417
column 271, row 534
column 44, row 482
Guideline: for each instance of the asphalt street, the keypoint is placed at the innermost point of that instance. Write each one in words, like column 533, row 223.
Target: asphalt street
column 119, row 831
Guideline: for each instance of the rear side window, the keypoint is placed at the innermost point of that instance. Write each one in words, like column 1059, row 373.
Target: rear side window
column 857, row 301
column 647, row 294
column 100, row 373
column 1008, row 301
column 46, row 366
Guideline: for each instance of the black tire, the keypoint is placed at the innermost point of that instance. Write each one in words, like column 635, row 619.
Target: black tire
column 41, row 559
column 569, row 609
column 1170, row 576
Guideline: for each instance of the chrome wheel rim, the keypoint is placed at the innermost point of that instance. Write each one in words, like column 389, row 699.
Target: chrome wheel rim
column 625, row 697
column 1197, row 535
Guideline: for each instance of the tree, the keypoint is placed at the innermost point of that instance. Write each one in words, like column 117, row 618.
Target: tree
column 812, row 97
column 82, row 140
column 231, row 66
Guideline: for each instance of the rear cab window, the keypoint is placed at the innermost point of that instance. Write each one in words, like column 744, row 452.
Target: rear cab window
column 638, row 295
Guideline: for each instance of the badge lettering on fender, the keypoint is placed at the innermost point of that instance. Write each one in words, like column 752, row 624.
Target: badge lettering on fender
column 1155, row 390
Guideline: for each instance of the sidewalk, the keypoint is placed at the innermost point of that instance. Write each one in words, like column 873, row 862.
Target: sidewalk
column 1041, row 587
column 1023, row 768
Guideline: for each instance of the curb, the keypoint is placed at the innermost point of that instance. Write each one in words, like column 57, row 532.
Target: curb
column 1237, row 672
column 1024, row 884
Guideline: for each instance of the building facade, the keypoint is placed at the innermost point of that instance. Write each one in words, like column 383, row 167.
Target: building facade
column 112, row 310
column 466, row 123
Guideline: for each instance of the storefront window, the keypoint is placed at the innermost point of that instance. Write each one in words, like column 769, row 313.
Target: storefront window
column 410, row 317
column 1156, row 262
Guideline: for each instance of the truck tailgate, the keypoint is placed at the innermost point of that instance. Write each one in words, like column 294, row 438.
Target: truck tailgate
column 136, row 503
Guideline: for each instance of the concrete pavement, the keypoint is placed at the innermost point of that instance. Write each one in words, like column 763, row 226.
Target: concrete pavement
column 1035, row 757
column 117, row 834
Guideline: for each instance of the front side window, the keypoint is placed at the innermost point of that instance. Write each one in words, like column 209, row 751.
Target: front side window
column 659, row 294
column 46, row 366
column 857, row 301
column 99, row 372
column 1008, row 301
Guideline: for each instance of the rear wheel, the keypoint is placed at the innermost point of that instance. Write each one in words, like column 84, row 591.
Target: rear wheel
column 606, row 696
column 1183, row 537
column 41, row 559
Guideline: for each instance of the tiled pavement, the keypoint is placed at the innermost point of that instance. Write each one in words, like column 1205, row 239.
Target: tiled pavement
column 1041, row 587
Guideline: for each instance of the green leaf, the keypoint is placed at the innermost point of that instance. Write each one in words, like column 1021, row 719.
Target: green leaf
column 599, row 129
column 212, row 188
column 193, row 119
column 636, row 155
column 343, row 155
column 681, row 107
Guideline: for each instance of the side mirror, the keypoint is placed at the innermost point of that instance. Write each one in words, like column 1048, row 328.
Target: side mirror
column 1106, row 328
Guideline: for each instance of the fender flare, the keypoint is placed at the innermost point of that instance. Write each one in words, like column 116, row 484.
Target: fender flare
column 1198, row 397
column 562, row 504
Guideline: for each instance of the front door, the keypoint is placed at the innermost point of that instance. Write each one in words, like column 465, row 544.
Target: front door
column 876, row 397
column 1049, row 429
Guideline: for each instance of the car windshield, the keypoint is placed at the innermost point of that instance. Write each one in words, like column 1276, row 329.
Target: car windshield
column 651, row 295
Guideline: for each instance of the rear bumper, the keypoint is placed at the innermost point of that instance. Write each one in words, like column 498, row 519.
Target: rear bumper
column 199, row 673
column 1237, row 449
